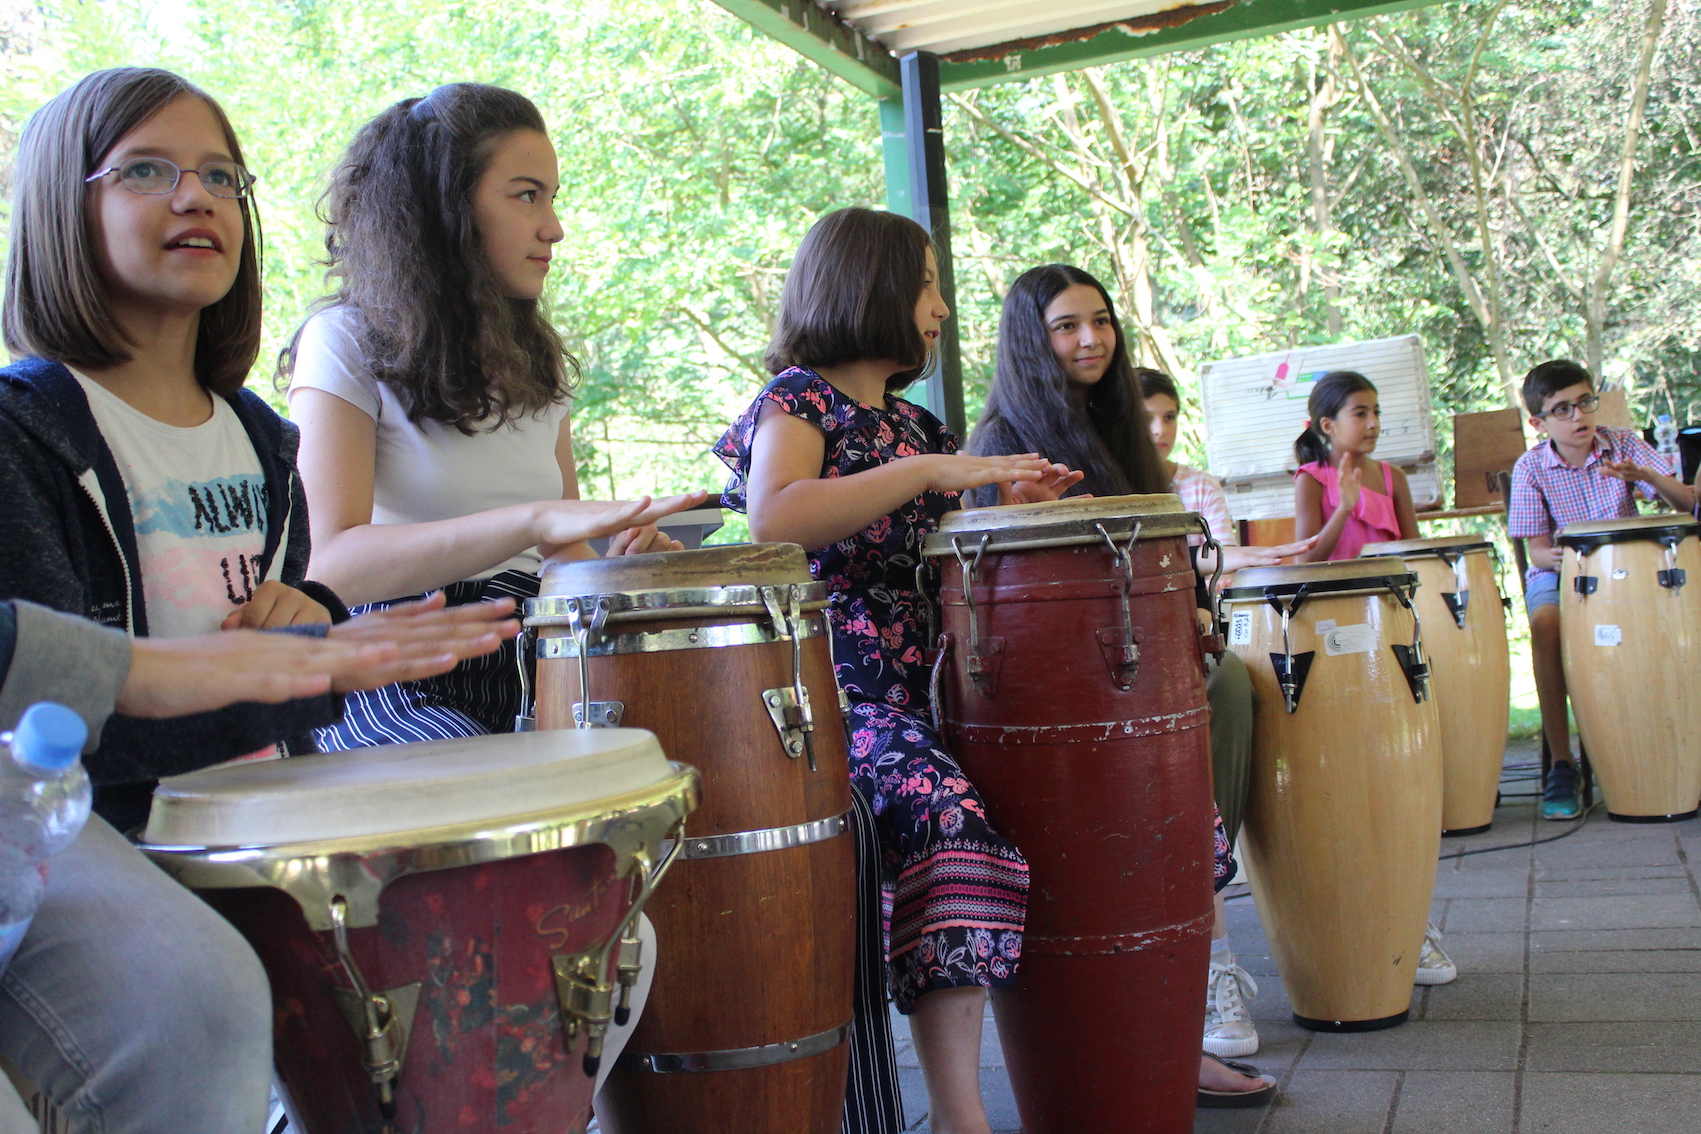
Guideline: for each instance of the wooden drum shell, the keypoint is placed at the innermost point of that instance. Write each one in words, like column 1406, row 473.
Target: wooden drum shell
column 1107, row 793
column 1637, row 704
column 1470, row 681
column 756, row 949
column 1343, row 820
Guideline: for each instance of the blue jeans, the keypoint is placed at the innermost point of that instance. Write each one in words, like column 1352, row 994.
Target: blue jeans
column 132, row 1005
column 1541, row 590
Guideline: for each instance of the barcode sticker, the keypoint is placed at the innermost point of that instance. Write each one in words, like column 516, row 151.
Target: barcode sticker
column 1609, row 635
column 1240, row 628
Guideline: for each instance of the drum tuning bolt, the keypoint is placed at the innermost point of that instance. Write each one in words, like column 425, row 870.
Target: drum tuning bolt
column 381, row 1020
column 789, row 707
column 983, row 653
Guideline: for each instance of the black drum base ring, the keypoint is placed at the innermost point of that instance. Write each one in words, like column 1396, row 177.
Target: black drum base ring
column 1461, row 832
column 1690, row 814
column 1385, row 1022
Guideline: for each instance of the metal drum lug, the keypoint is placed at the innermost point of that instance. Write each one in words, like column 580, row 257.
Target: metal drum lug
column 604, row 714
column 1121, row 653
column 792, row 720
column 984, row 663
column 1291, row 671
column 381, row 1020
column 1415, row 669
column 628, row 966
column 587, row 1001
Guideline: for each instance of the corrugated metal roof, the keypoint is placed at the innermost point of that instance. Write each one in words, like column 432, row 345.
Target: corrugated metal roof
column 954, row 29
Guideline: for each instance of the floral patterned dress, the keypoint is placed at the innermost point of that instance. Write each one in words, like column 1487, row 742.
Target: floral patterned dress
column 957, row 890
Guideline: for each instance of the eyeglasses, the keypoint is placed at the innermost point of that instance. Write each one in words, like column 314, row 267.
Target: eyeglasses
column 155, row 177
column 1565, row 411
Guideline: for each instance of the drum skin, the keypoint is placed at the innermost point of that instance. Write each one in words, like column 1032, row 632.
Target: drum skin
column 1637, row 706
column 757, row 949
column 1343, row 818
column 1107, row 793
column 1470, row 678
column 486, row 1040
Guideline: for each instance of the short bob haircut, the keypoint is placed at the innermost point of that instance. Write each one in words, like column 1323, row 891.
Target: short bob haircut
column 1548, row 378
column 851, row 294
column 56, row 302
column 1155, row 382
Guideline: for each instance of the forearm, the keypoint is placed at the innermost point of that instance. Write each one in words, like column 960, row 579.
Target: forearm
column 63, row 658
column 1673, row 491
column 819, row 512
column 1326, row 539
column 372, row 562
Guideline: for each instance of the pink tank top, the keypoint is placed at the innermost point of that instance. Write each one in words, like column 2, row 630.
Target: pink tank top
column 1373, row 520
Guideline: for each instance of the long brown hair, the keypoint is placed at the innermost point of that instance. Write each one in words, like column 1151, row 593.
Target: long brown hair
column 425, row 306
column 56, row 302
column 851, row 295
column 1031, row 406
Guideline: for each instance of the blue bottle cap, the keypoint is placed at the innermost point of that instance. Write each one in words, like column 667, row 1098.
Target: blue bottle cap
column 49, row 737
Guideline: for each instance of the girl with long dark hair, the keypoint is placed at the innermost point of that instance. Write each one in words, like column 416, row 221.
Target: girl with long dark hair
column 431, row 391
column 830, row 457
column 1064, row 381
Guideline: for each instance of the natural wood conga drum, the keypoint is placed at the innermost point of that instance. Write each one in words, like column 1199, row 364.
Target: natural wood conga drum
column 1630, row 629
column 1459, row 601
column 447, row 926
column 724, row 654
column 1072, row 690
column 1343, row 818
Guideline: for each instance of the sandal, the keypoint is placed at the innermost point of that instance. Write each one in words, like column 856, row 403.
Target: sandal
column 1261, row 1096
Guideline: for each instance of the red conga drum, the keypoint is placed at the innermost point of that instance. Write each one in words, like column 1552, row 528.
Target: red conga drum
column 447, row 926
column 724, row 653
column 1072, row 688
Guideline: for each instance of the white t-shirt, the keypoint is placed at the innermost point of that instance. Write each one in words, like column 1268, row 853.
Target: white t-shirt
column 428, row 470
column 198, row 499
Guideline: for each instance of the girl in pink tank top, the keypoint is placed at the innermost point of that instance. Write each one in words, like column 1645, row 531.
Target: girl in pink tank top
column 1331, row 497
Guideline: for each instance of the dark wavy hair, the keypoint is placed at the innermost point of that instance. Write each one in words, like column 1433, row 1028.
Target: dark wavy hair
column 1030, row 407
column 851, row 293
column 428, row 313
column 56, row 302
column 1548, row 378
column 1328, row 395
column 1155, row 382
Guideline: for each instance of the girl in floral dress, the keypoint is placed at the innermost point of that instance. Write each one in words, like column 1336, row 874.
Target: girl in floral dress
column 830, row 458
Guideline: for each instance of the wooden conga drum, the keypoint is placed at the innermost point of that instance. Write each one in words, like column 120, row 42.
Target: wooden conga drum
column 447, row 926
column 1343, row 817
column 1459, row 602
column 1073, row 694
column 724, row 654
column 1630, row 629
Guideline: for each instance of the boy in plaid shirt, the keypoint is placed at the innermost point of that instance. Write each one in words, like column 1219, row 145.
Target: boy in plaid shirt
column 1581, row 472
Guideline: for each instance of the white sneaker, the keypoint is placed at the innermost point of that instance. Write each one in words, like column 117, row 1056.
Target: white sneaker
column 1228, row 1025
column 1434, row 966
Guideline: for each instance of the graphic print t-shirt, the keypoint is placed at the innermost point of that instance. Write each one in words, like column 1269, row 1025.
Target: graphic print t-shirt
column 198, row 497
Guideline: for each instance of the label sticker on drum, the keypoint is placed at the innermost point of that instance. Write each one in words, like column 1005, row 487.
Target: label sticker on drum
column 1609, row 635
column 1240, row 628
column 1620, row 573
column 1359, row 639
column 1324, row 625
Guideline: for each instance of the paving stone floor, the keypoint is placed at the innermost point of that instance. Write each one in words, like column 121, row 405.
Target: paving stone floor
column 1577, row 1009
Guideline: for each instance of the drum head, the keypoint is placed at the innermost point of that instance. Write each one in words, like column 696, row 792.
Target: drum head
column 1059, row 523
column 1627, row 528
column 402, row 787
column 745, row 564
column 1406, row 548
column 1251, row 582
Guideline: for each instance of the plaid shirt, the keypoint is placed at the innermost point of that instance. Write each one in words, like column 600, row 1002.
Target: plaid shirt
column 1549, row 492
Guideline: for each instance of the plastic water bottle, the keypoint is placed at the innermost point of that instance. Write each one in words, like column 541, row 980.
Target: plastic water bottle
column 44, row 802
column 1665, row 438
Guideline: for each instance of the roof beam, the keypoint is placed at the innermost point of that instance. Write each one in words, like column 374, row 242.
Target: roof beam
column 819, row 35
column 982, row 67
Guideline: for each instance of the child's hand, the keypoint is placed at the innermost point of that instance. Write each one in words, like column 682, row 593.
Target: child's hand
column 422, row 639
column 275, row 605
column 561, row 522
column 1235, row 558
column 1350, row 481
column 1629, row 471
column 642, row 541
column 1053, row 483
column 961, row 472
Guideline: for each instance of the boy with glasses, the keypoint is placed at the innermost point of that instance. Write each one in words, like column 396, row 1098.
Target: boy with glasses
column 1583, row 471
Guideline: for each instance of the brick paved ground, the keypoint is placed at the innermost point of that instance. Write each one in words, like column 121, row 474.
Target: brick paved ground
column 1577, row 1009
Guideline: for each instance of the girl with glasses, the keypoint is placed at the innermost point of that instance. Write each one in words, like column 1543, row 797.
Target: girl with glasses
column 148, row 491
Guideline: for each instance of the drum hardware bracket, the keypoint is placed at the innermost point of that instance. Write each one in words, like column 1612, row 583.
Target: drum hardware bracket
column 1411, row 657
column 588, row 615
column 1458, row 601
column 1122, row 646
column 604, row 714
column 587, row 1000
column 381, row 1020
column 935, row 675
column 793, row 717
column 525, row 643
column 1291, row 668
column 628, row 967
column 1585, row 585
column 985, row 654
column 1673, row 577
